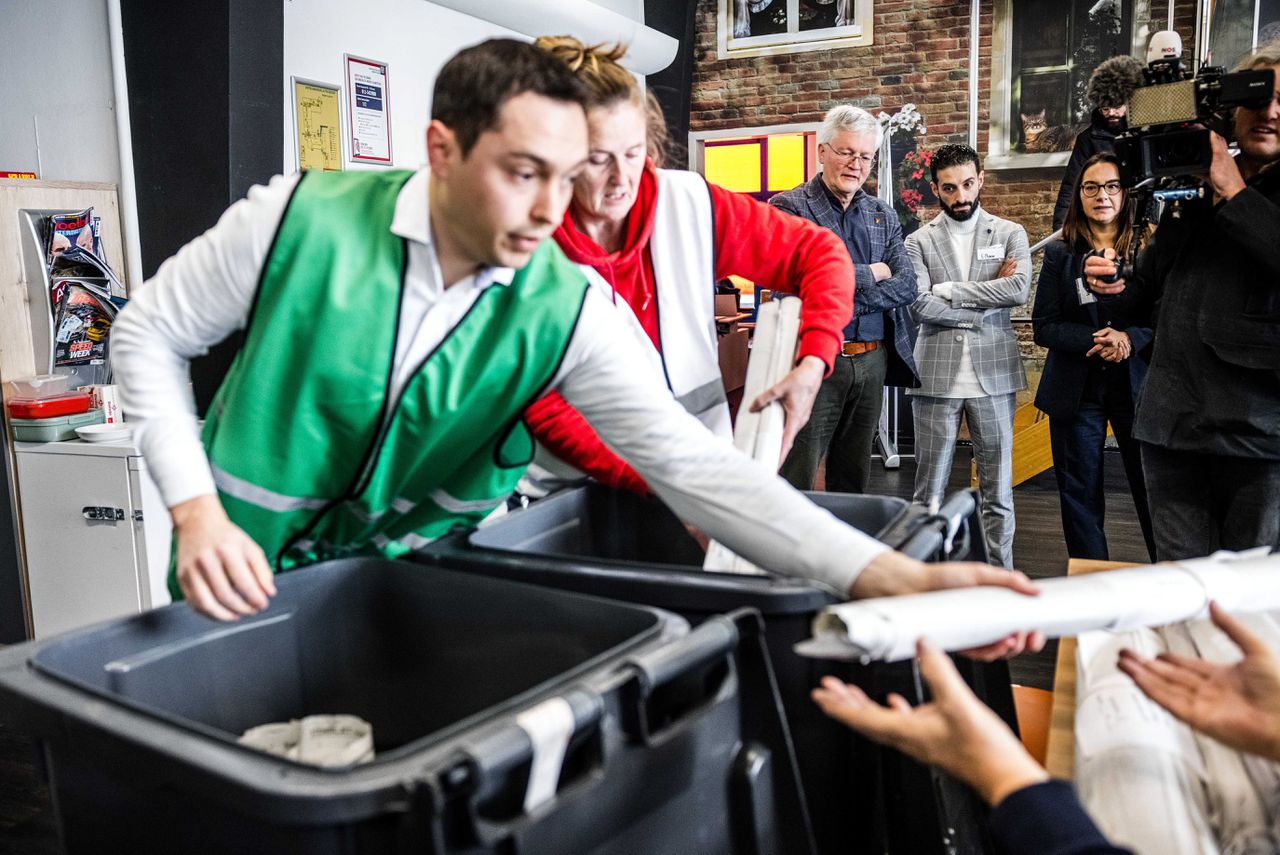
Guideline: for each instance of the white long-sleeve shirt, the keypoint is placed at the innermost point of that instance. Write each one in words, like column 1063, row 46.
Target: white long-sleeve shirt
column 206, row 291
column 963, row 237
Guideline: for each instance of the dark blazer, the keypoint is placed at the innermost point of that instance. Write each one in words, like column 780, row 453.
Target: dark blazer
column 892, row 296
column 1066, row 328
column 1214, row 272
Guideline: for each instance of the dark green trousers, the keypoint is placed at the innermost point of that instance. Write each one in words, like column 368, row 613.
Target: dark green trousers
column 842, row 426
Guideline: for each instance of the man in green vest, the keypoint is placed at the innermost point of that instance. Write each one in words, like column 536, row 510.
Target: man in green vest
column 397, row 324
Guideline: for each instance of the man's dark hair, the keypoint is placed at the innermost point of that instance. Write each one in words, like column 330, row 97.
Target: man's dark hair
column 477, row 81
column 1113, row 81
column 951, row 155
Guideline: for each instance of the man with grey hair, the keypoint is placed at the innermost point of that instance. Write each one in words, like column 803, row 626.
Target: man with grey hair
column 878, row 341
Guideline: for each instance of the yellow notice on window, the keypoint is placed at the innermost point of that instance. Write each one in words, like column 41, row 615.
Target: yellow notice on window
column 317, row 121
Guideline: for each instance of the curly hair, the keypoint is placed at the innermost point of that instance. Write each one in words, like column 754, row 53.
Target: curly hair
column 951, row 155
column 1113, row 81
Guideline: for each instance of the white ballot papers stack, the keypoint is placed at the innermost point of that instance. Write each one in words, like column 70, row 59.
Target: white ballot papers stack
column 887, row 628
column 759, row 435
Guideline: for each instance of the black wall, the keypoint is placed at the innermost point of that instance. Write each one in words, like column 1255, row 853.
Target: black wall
column 206, row 106
column 673, row 86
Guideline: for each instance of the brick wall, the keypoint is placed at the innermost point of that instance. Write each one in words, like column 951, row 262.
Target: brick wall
column 920, row 55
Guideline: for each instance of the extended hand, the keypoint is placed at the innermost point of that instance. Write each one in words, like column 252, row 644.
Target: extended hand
column 222, row 572
column 1095, row 268
column 955, row 731
column 1238, row 704
column 892, row 573
column 796, row 391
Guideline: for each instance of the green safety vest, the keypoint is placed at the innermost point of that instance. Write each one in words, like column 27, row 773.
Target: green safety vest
column 310, row 455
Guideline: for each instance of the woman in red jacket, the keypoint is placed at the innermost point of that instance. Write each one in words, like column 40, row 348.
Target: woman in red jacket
column 656, row 241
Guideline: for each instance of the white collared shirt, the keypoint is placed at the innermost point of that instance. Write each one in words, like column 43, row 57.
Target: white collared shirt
column 206, row 291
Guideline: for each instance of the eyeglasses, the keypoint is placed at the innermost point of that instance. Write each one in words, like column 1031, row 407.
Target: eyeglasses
column 846, row 156
column 1089, row 189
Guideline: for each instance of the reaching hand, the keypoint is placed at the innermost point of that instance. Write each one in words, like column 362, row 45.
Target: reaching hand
column 955, row 731
column 892, row 573
column 222, row 572
column 797, row 392
column 1238, row 704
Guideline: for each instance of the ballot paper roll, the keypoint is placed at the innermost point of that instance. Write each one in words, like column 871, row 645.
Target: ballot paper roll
column 886, row 628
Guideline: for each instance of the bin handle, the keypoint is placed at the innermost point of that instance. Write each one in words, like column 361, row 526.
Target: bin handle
column 940, row 528
column 516, row 770
column 674, row 682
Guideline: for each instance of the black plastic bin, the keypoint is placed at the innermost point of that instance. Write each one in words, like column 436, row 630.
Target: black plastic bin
column 138, row 718
column 613, row 544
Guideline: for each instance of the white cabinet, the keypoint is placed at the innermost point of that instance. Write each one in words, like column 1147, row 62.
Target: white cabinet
column 97, row 533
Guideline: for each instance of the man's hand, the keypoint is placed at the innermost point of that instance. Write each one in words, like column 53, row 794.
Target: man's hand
column 1095, row 268
column 880, row 270
column 892, row 573
column 796, row 391
column 1007, row 268
column 222, row 572
column 1224, row 174
column 1238, row 704
column 955, row 731
column 1111, row 344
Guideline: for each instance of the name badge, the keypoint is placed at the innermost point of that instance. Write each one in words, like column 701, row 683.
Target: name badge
column 990, row 253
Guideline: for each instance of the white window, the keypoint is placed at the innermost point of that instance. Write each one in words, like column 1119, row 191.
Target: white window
column 764, row 27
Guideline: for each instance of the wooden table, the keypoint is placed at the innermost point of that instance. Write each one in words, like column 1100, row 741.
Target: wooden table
column 1060, row 755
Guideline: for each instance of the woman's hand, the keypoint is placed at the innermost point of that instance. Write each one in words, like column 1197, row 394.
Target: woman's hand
column 1111, row 344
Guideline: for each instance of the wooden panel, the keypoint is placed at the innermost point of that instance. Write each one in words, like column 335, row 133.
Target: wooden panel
column 16, row 359
column 1061, row 753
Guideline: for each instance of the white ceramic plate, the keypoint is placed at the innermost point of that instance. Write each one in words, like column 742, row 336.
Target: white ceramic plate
column 104, row 433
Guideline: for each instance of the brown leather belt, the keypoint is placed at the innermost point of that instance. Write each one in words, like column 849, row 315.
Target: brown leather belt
column 857, row 348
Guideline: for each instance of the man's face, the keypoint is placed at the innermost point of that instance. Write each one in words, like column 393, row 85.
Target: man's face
column 511, row 190
column 1258, row 131
column 1114, row 115
column 959, row 189
column 846, row 161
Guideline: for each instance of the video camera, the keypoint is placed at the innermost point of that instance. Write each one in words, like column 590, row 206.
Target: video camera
column 1161, row 145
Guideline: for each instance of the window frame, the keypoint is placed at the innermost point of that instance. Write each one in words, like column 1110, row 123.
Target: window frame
column 1000, row 154
column 794, row 40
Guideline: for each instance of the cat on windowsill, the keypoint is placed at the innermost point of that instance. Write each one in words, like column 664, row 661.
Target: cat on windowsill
column 1040, row 137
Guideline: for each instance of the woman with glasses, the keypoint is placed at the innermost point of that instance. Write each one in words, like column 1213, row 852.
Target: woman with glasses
column 1098, row 348
column 655, row 242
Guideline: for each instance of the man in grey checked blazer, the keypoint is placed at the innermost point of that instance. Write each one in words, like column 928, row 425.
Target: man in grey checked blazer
column 971, row 269
column 878, row 339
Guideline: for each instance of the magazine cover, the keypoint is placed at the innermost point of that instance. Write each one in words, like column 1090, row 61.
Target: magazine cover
column 82, row 324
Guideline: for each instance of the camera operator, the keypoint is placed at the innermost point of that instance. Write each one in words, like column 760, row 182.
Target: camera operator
column 1209, row 414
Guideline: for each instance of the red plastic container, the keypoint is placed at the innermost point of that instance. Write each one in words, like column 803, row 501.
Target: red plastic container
column 69, row 404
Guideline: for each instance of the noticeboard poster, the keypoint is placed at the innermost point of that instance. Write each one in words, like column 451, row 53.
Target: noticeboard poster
column 317, row 125
column 369, row 113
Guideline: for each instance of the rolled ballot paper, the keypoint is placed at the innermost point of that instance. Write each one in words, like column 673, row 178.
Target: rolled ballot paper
column 886, row 628
column 759, row 435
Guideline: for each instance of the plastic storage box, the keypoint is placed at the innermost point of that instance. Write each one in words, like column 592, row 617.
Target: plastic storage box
column 138, row 720
column 41, row 386
column 67, row 404
column 614, row 544
column 53, row 429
